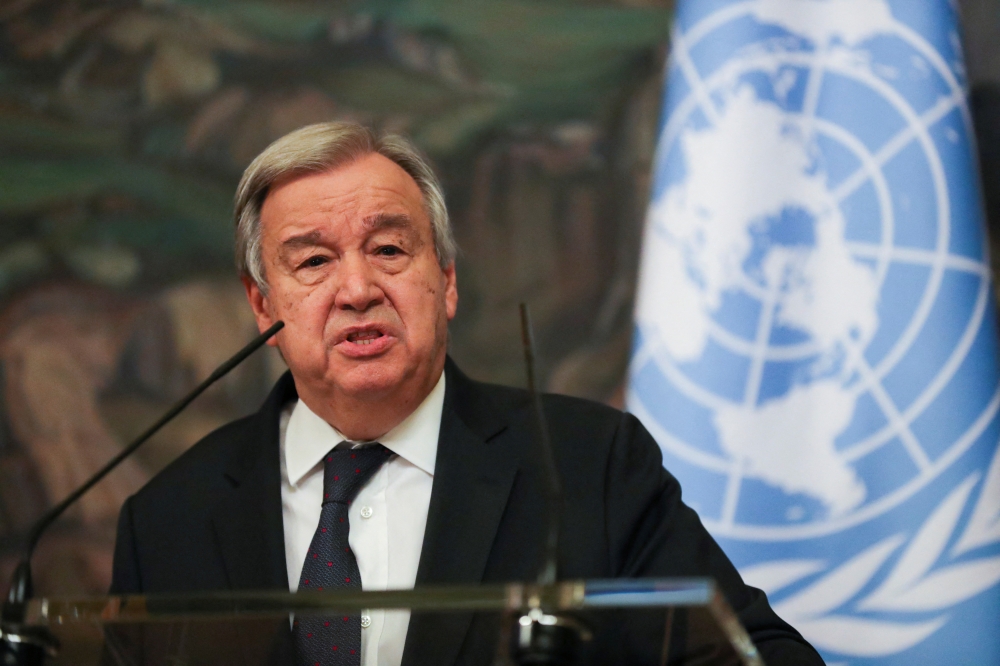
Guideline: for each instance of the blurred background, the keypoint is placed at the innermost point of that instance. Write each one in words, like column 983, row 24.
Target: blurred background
column 124, row 128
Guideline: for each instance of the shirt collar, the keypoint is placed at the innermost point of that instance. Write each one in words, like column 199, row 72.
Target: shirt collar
column 308, row 437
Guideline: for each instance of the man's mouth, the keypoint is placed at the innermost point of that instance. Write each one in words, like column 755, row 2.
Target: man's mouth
column 363, row 337
column 366, row 341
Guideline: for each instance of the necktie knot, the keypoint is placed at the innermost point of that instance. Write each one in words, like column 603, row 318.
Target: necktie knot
column 346, row 470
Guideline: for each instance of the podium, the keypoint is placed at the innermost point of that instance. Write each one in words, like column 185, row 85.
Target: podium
column 637, row 621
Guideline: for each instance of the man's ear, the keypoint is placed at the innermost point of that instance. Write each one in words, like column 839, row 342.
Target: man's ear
column 261, row 307
column 450, row 291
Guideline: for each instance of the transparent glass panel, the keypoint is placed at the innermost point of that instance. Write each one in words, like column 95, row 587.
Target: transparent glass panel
column 595, row 622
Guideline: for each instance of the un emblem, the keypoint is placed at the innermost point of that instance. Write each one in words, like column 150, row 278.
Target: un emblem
column 815, row 334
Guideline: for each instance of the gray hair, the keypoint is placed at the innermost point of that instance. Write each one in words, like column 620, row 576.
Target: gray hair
column 321, row 147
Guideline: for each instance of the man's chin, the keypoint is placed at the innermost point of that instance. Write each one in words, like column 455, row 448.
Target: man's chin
column 369, row 381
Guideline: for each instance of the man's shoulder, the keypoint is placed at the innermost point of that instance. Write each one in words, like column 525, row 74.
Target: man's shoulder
column 211, row 454
column 232, row 447
column 562, row 412
column 199, row 469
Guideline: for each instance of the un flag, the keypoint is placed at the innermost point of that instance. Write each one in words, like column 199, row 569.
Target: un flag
column 816, row 346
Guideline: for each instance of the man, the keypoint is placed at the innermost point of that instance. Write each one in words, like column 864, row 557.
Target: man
column 344, row 236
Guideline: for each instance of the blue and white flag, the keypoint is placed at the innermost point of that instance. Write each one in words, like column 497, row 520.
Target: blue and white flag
column 816, row 342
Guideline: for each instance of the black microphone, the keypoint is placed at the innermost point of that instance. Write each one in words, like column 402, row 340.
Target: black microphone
column 13, row 636
column 548, row 572
column 540, row 638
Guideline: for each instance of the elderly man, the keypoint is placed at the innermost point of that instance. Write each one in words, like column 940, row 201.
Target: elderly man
column 375, row 462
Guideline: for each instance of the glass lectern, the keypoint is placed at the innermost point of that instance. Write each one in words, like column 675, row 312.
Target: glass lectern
column 654, row 621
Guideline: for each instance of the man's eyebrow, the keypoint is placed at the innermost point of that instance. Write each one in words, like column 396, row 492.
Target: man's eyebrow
column 308, row 239
column 380, row 221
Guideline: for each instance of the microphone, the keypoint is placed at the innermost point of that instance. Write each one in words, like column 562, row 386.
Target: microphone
column 548, row 571
column 17, row 640
column 540, row 638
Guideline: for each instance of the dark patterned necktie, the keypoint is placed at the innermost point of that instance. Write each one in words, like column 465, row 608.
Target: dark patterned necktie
column 330, row 563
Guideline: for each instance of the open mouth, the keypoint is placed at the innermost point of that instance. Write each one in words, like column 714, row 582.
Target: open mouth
column 363, row 337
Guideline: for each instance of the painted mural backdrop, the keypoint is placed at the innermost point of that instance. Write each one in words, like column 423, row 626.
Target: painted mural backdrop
column 124, row 127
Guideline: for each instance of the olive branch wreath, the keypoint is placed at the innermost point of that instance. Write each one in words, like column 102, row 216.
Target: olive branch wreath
column 913, row 585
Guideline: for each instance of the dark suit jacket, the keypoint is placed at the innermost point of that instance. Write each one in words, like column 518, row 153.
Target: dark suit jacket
column 212, row 520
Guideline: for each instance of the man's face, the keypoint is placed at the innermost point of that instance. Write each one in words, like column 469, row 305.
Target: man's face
column 351, row 269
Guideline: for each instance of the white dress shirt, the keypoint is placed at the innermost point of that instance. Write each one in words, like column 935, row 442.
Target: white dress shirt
column 387, row 517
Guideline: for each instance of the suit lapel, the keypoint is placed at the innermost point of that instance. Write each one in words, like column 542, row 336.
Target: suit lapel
column 247, row 517
column 472, row 481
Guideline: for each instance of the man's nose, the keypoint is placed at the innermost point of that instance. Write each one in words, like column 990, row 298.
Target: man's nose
column 358, row 289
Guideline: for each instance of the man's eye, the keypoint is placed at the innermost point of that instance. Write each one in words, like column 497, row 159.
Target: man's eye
column 314, row 262
column 387, row 251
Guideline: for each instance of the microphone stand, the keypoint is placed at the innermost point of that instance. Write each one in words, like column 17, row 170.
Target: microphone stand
column 539, row 638
column 21, row 645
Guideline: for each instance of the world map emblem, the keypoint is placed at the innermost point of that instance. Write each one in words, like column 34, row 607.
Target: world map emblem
column 815, row 334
